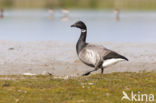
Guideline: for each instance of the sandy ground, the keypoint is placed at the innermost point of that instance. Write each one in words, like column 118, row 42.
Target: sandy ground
column 60, row 59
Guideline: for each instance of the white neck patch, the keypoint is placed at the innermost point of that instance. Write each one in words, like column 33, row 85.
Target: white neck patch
column 83, row 30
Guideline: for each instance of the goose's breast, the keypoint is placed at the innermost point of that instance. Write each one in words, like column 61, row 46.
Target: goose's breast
column 89, row 56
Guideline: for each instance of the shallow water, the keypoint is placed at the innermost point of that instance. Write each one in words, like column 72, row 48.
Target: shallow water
column 37, row 25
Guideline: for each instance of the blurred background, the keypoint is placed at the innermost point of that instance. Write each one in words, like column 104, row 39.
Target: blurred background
column 106, row 20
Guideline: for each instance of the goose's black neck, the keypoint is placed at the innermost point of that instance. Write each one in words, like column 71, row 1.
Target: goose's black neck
column 82, row 41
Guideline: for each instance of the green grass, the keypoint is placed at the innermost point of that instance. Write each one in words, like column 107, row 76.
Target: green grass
column 106, row 88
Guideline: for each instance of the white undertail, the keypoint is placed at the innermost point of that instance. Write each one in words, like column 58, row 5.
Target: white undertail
column 112, row 61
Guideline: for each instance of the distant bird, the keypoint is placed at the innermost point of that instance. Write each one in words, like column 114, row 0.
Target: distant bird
column 65, row 12
column 51, row 12
column 93, row 55
column 65, row 16
column 117, row 14
column 1, row 13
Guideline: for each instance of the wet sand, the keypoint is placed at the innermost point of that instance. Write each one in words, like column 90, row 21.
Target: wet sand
column 60, row 58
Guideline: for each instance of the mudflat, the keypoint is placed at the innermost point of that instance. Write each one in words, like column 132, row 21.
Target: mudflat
column 60, row 58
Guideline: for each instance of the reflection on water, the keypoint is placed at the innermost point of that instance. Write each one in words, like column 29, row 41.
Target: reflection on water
column 65, row 18
column 36, row 25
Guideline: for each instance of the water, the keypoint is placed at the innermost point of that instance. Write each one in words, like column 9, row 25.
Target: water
column 36, row 25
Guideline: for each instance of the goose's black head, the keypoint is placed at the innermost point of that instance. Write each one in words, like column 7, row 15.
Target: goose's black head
column 80, row 25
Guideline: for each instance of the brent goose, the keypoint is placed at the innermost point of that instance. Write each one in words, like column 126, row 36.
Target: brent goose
column 93, row 55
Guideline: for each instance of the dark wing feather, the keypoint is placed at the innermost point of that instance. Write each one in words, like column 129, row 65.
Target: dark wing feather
column 113, row 54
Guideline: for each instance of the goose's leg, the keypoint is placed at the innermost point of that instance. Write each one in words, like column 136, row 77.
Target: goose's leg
column 96, row 68
column 102, row 69
column 90, row 72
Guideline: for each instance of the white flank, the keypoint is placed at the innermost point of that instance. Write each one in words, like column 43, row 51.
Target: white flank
column 110, row 62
